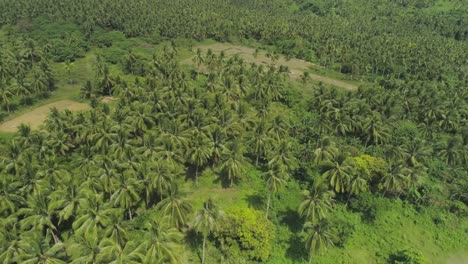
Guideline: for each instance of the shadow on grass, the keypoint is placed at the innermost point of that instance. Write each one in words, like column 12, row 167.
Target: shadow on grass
column 296, row 250
column 255, row 201
column 291, row 219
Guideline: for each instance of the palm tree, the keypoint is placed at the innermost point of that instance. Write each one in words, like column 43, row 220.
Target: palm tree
column 83, row 249
column 282, row 156
column 127, row 192
column 10, row 239
column 206, row 221
column 260, row 142
column 160, row 242
column 199, row 153
column 338, row 172
column 233, row 162
column 5, row 98
column 326, row 151
column 320, row 237
column 115, row 253
column 66, row 201
column 305, row 77
column 395, row 180
column 452, row 151
column 275, row 179
column 36, row 249
column 93, row 215
column 38, row 215
column 417, row 152
column 318, row 201
column 198, row 59
column 175, row 208
column 357, row 184
column 160, row 178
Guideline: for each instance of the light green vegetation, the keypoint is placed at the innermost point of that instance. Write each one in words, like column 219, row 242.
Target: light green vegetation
column 200, row 156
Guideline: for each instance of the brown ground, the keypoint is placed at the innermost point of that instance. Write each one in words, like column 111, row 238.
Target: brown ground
column 38, row 115
column 107, row 99
column 296, row 66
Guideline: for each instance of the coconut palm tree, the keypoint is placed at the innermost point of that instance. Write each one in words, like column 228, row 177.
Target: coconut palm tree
column 318, row 201
column 338, row 172
column 160, row 242
column 175, row 208
column 199, row 153
column 115, row 253
column 275, row 179
column 319, row 238
column 206, row 221
column 233, row 162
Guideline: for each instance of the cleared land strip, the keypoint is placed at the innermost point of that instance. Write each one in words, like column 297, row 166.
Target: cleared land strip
column 296, row 66
column 38, row 115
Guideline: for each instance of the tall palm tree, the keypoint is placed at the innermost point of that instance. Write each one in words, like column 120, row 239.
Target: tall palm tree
column 36, row 249
column 160, row 242
column 199, row 153
column 319, row 238
column 198, row 59
column 338, row 172
column 275, row 179
column 93, row 215
column 115, row 253
column 326, row 150
column 233, row 162
column 395, row 180
column 175, row 208
column 38, row 215
column 318, row 201
column 5, row 98
column 206, row 221
column 127, row 192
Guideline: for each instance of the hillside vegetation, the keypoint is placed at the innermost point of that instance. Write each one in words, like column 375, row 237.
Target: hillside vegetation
column 325, row 132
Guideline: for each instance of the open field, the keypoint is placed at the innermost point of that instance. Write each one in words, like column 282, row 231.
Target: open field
column 297, row 67
column 37, row 116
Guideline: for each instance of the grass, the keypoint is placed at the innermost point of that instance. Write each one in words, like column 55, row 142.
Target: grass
column 211, row 185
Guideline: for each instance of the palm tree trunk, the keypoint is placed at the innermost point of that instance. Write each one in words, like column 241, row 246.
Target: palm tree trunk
column 130, row 214
column 268, row 204
column 204, row 250
column 347, row 200
column 196, row 175
column 310, row 258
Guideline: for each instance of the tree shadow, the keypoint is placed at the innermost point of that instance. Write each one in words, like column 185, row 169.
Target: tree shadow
column 193, row 241
column 296, row 250
column 255, row 201
column 291, row 219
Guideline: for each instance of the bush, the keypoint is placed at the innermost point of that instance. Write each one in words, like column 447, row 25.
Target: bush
column 408, row 256
column 247, row 233
column 114, row 55
column 105, row 39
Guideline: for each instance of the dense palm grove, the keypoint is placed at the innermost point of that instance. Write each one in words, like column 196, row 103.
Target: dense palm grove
column 105, row 185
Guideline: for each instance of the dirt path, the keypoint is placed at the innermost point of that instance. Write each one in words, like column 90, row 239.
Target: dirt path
column 38, row 115
column 296, row 66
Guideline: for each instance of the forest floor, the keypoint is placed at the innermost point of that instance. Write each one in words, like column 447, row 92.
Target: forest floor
column 38, row 115
column 296, row 67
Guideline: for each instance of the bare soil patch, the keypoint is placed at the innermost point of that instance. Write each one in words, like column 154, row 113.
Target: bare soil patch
column 296, row 66
column 107, row 99
column 38, row 115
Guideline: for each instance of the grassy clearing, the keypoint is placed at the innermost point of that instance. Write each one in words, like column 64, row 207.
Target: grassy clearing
column 297, row 67
column 37, row 116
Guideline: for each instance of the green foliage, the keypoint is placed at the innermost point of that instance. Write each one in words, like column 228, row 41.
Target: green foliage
column 101, row 185
column 409, row 256
column 247, row 233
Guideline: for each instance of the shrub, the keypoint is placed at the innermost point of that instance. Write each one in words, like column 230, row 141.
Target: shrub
column 247, row 233
column 408, row 256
